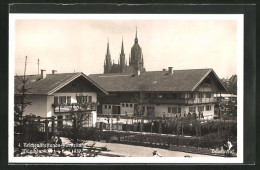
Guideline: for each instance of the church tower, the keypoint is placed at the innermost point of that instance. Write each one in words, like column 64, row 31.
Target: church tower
column 122, row 58
column 136, row 59
column 107, row 62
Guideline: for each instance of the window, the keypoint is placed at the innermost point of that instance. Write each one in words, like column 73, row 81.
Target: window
column 169, row 109
column 200, row 108
column 62, row 99
column 192, row 109
column 208, row 95
column 179, row 110
column 190, row 95
column 208, row 107
column 56, row 100
column 109, row 106
column 126, row 104
column 174, row 110
column 68, row 117
column 131, row 105
column 82, row 99
column 105, row 106
column 89, row 99
column 143, row 110
column 123, row 105
column 200, row 95
column 68, row 99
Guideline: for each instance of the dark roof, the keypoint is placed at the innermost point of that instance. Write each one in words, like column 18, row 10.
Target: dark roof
column 180, row 80
column 50, row 84
column 129, row 69
column 117, row 69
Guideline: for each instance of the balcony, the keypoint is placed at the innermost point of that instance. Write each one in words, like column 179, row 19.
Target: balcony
column 74, row 107
column 180, row 101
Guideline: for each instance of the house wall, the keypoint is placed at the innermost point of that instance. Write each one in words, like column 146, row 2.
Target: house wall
column 127, row 110
column 50, row 109
column 108, row 109
column 38, row 106
column 161, row 110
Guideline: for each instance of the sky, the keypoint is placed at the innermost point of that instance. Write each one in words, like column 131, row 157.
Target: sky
column 80, row 45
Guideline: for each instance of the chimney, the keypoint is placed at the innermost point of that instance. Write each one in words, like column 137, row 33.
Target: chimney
column 43, row 75
column 164, row 69
column 170, row 70
column 53, row 71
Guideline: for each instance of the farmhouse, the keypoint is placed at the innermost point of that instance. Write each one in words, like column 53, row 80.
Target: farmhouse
column 57, row 94
column 164, row 93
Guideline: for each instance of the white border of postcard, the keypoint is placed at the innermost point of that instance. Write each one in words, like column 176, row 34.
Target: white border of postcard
column 240, row 72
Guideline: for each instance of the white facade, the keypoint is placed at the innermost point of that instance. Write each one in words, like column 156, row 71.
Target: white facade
column 38, row 105
column 204, row 101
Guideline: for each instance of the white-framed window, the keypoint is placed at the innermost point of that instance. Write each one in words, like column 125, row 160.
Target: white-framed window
column 62, row 99
column 169, row 109
column 208, row 107
column 89, row 98
column 68, row 99
column 109, row 106
column 56, row 100
column 82, row 99
column 123, row 105
column 126, row 104
column 131, row 105
column 105, row 106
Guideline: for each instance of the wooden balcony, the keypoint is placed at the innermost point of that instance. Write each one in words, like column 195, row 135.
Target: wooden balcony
column 74, row 107
column 187, row 101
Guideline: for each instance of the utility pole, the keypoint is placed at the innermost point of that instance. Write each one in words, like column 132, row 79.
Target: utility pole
column 38, row 64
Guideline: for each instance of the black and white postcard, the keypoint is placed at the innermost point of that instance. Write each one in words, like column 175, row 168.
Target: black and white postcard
column 126, row 88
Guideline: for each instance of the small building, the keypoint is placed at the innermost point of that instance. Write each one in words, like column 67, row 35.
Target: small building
column 58, row 94
column 167, row 93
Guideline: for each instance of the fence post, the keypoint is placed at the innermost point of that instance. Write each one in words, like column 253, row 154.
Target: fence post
column 52, row 125
column 75, row 129
column 47, row 130
column 160, row 127
column 100, row 130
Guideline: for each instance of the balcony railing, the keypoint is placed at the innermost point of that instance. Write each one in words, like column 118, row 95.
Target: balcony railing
column 74, row 107
column 179, row 101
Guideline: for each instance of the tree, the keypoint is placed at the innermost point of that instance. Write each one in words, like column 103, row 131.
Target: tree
column 80, row 117
column 21, row 102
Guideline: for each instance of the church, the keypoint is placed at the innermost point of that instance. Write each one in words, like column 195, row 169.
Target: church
column 136, row 60
column 163, row 93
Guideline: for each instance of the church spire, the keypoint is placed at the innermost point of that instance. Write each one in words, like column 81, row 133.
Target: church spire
column 122, row 47
column 108, row 51
column 136, row 39
column 107, row 62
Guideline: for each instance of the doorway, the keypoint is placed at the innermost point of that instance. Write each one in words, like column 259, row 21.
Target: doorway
column 116, row 110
